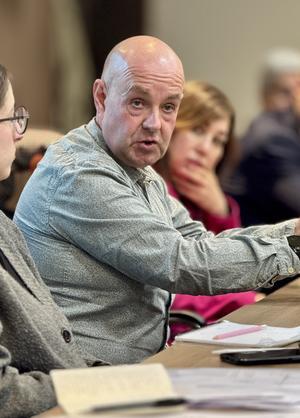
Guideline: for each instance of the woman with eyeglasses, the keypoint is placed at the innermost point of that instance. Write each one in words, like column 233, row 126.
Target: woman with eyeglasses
column 35, row 336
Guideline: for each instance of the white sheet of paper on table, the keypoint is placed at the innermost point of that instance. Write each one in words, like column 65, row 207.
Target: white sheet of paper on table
column 266, row 337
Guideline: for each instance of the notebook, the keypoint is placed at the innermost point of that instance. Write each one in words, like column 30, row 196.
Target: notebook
column 109, row 387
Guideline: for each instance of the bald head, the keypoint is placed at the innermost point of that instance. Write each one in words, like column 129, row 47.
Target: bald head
column 137, row 99
column 139, row 53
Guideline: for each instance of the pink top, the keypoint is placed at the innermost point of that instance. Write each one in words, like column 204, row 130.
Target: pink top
column 212, row 222
column 211, row 307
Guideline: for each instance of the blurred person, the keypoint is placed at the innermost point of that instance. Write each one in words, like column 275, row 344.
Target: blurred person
column 279, row 79
column 35, row 336
column 109, row 241
column 28, row 153
column 200, row 144
column 266, row 182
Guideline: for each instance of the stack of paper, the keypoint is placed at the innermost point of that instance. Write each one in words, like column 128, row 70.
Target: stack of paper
column 258, row 388
column 263, row 336
column 224, row 389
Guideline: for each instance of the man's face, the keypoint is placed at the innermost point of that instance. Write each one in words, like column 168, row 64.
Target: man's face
column 283, row 97
column 139, row 114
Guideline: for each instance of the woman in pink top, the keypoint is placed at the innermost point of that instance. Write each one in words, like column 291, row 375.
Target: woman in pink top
column 202, row 141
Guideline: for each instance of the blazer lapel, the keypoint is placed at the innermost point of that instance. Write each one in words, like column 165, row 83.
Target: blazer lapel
column 12, row 252
column 25, row 275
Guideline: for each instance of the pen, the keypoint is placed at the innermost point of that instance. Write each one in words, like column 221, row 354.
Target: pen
column 168, row 402
column 237, row 332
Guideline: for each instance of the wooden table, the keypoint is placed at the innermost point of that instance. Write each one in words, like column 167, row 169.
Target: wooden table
column 281, row 308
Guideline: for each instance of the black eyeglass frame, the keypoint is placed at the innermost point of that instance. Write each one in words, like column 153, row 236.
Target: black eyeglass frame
column 26, row 116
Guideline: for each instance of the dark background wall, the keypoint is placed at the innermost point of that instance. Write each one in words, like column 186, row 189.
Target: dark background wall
column 107, row 22
column 56, row 48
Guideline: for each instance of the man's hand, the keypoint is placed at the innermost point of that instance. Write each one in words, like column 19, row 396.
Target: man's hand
column 202, row 187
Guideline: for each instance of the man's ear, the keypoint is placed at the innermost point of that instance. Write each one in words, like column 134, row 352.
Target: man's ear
column 99, row 94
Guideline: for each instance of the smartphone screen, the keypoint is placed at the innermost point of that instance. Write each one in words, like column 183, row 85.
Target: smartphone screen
column 288, row 355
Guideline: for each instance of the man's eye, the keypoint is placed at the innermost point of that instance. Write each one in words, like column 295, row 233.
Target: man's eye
column 137, row 104
column 169, row 107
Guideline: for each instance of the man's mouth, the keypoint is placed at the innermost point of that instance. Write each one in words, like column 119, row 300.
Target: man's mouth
column 148, row 142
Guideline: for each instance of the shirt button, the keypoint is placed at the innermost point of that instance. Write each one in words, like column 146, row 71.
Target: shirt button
column 66, row 335
column 291, row 270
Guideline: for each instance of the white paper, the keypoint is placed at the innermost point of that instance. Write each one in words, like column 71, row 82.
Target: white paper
column 266, row 337
column 260, row 388
column 273, row 392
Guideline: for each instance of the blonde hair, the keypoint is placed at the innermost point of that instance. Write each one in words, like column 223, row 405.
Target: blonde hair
column 202, row 103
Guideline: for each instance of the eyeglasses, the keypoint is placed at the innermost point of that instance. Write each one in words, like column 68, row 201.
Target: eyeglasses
column 19, row 119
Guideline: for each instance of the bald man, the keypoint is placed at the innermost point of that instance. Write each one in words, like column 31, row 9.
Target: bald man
column 106, row 237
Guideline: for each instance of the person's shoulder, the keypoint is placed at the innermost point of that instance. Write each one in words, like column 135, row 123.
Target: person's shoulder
column 263, row 125
column 78, row 148
column 9, row 230
column 267, row 128
column 6, row 223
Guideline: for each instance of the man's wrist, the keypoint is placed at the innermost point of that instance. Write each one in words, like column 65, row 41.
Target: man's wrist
column 294, row 243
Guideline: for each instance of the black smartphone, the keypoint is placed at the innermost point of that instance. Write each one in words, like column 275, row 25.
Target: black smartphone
column 249, row 358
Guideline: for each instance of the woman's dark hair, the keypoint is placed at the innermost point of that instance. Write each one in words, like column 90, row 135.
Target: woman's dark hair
column 4, row 80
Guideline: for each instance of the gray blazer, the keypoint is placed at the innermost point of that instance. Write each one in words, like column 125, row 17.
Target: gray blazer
column 35, row 336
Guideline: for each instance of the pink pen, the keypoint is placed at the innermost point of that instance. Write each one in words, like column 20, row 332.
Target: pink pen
column 238, row 332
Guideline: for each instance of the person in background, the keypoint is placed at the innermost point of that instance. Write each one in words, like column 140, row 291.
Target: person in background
column 106, row 236
column 279, row 79
column 35, row 336
column 200, row 145
column 266, row 181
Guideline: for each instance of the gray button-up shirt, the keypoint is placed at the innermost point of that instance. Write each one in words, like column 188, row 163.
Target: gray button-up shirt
column 112, row 245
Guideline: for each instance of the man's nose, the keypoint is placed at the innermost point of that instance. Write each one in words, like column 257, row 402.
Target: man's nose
column 152, row 120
